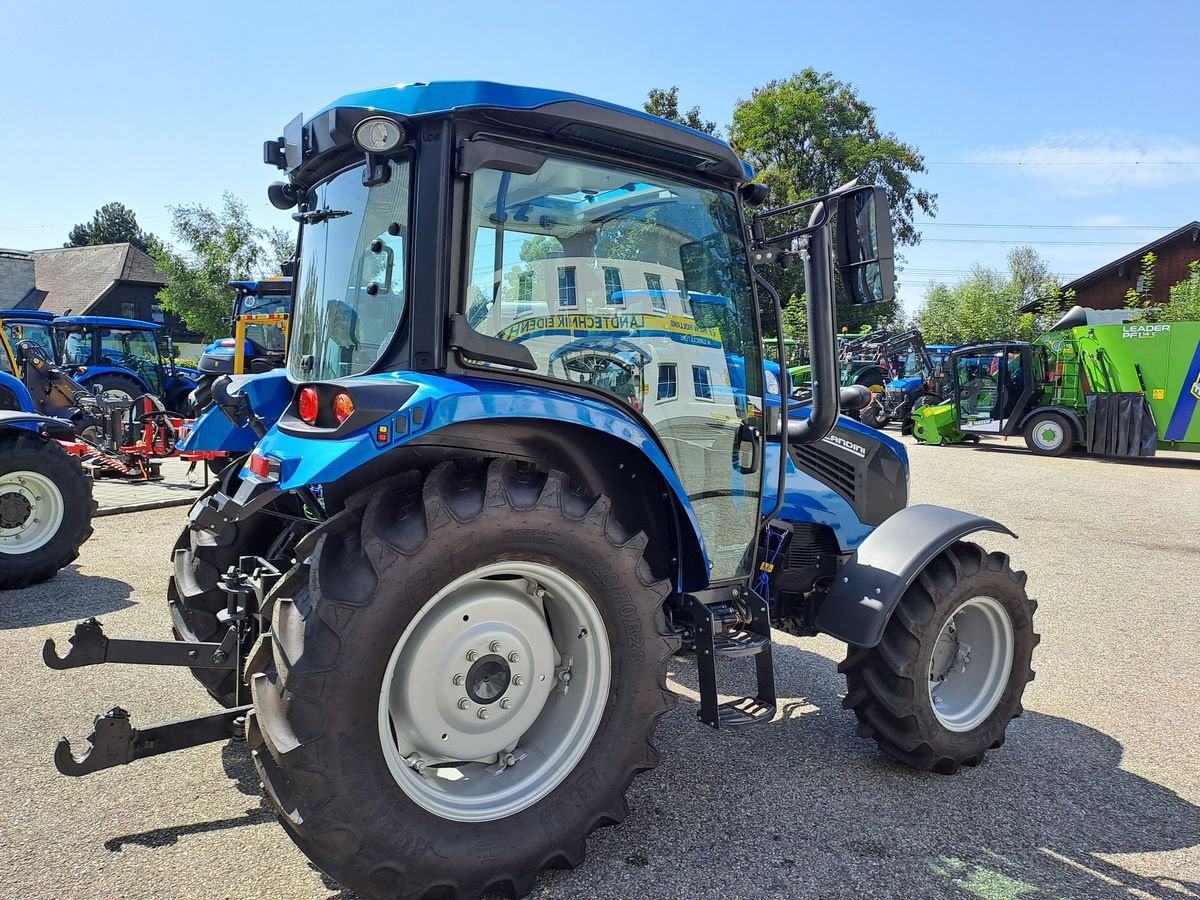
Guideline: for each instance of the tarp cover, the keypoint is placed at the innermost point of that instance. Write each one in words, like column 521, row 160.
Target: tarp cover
column 1120, row 425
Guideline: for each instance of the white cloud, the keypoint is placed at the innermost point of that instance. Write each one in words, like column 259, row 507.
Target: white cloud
column 1092, row 163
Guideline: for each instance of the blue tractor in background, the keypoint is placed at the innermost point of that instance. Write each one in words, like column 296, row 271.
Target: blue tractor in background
column 916, row 376
column 46, row 501
column 491, row 493
column 123, row 357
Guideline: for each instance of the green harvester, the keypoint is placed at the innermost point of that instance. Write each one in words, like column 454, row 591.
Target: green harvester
column 1122, row 389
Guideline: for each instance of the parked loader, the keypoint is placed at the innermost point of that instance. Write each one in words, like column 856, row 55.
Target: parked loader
column 440, row 597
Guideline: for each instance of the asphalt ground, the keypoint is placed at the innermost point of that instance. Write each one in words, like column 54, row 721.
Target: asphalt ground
column 1095, row 794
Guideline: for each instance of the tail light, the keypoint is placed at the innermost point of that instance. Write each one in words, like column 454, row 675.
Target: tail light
column 343, row 407
column 307, row 405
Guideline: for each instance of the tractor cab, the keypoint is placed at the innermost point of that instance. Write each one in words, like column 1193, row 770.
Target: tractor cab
column 120, row 356
column 25, row 325
column 261, row 317
column 995, row 384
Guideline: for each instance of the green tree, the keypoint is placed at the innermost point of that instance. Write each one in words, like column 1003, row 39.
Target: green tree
column 1139, row 296
column 987, row 304
column 810, row 133
column 665, row 103
column 218, row 246
column 113, row 223
column 1183, row 304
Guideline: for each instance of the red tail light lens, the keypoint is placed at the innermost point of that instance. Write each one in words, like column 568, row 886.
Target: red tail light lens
column 343, row 407
column 307, row 405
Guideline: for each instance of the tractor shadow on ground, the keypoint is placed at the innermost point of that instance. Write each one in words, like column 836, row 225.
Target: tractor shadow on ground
column 239, row 769
column 67, row 597
column 1038, row 815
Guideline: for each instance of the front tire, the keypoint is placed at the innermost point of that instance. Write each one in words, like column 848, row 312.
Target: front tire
column 46, row 509
column 392, row 642
column 123, row 388
column 942, row 685
column 1049, row 434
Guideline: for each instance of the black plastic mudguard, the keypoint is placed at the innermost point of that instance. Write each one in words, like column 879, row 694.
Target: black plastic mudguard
column 56, row 428
column 871, row 583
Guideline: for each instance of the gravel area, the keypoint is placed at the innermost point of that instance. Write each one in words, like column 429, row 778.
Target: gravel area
column 1096, row 793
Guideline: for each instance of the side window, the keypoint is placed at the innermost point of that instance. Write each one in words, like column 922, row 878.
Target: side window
column 668, row 387
column 702, row 383
column 612, row 286
column 658, row 302
column 525, row 287
column 566, row 286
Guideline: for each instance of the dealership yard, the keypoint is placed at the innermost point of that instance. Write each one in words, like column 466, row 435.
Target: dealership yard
column 1096, row 793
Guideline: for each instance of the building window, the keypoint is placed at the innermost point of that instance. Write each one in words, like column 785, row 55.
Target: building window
column 156, row 314
column 525, row 287
column 681, row 287
column 667, row 382
column 654, row 285
column 701, row 383
column 612, row 286
column 566, row 286
column 128, row 310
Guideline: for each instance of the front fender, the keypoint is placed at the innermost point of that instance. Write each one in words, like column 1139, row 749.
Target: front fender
column 60, row 429
column 429, row 403
column 269, row 393
column 870, row 585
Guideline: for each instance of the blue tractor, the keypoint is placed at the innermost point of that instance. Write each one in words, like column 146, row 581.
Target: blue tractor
column 491, row 494
column 261, row 313
column 46, row 501
column 916, row 376
column 122, row 357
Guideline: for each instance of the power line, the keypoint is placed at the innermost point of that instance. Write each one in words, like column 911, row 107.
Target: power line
column 932, row 224
column 1130, row 162
column 1031, row 243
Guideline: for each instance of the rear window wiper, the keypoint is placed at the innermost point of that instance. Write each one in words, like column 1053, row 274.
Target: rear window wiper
column 313, row 216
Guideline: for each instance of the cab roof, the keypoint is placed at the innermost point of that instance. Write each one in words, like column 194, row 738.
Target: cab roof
column 107, row 322
column 278, row 285
column 26, row 315
column 574, row 117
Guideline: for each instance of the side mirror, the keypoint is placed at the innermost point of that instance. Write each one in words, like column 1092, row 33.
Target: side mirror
column 865, row 256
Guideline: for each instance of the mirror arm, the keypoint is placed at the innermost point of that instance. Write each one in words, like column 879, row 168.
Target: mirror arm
column 818, row 279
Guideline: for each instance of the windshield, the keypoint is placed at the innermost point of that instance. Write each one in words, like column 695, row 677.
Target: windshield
column 136, row 351
column 635, row 285
column 267, row 335
column 31, row 331
column 913, row 365
column 350, row 296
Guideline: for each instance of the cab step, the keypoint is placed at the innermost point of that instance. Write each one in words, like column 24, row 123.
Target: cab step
column 742, row 641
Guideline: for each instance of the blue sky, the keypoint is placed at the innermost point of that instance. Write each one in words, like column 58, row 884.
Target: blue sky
column 1080, row 118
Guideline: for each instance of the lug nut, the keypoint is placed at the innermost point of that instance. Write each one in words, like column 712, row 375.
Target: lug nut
column 483, row 714
column 518, row 680
column 460, row 678
column 464, row 703
column 505, row 704
column 494, row 646
column 472, row 656
column 514, row 657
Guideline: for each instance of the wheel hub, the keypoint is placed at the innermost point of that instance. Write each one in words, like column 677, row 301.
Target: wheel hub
column 14, row 510
column 488, row 679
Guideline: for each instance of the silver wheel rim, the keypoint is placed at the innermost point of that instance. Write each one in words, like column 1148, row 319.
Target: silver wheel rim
column 1048, row 434
column 494, row 691
column 31, row 511
column 971, row 664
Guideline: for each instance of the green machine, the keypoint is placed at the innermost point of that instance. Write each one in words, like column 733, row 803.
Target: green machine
column 1125, row 389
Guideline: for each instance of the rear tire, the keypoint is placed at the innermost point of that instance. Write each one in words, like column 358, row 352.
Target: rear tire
column 46, row 508
column 344, row 621
column 194, row 595
column 872, row 414
column 942, row 685
column 1049, row 434
column 113, row 383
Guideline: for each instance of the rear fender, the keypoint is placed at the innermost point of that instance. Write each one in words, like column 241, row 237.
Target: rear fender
column 869, row 586
column 269, row 395
column 95, row 372
column 36, row 422
column 487, row 417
